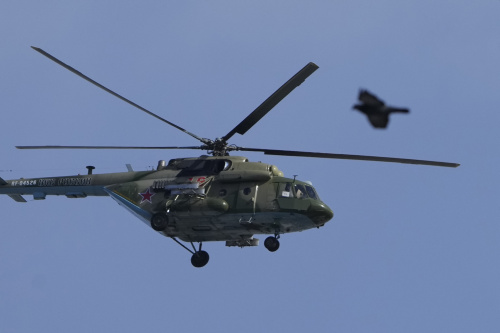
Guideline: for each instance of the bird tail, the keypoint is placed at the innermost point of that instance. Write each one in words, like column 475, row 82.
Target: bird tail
column 398, row 110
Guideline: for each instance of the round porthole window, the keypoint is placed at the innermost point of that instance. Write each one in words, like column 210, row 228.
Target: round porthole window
column 247, row 191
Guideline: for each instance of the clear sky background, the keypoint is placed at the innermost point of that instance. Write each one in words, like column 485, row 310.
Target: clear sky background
column 410, row 249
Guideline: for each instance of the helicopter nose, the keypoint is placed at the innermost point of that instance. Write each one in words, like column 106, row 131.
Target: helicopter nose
column 319, row 213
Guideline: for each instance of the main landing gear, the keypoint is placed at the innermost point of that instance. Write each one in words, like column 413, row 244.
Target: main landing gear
column 199, row 258
column 272, row 243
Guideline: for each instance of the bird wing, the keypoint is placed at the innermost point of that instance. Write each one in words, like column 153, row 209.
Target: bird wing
column 370, row 99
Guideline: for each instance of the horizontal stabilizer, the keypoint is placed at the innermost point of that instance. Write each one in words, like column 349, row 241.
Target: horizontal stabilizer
column 17, row 197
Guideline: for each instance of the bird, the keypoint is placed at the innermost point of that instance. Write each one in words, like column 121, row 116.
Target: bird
column 375, row 109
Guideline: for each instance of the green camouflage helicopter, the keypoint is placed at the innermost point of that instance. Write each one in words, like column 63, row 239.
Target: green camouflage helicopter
column 207, row 198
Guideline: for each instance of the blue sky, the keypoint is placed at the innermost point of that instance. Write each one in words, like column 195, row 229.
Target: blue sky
column 410, row 249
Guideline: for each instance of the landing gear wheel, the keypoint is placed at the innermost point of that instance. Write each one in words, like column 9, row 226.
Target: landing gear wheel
column 200, row 259
column 272, row 243
column 159, row 221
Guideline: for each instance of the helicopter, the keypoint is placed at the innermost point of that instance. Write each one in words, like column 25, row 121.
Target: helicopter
column 214, row 197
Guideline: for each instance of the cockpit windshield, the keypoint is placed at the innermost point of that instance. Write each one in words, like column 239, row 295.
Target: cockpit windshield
column 295, row 190
column 311, row 192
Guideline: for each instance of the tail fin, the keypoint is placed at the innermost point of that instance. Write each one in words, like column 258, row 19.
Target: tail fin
column 2, row 182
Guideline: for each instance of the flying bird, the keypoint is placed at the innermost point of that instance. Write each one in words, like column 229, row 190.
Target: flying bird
column 375, row 109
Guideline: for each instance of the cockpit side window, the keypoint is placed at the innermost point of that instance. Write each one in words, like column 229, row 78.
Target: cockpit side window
column 300, row 191
column 285, row 190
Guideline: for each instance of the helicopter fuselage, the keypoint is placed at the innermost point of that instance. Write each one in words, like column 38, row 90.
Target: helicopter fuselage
column 204, row 199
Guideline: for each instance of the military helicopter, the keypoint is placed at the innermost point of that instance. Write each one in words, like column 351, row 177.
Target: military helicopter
column 214, row 197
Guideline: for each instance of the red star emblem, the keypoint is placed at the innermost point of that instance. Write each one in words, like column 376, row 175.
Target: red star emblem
column 146, row 196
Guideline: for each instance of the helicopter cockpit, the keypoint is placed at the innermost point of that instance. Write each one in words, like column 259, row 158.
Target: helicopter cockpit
column 297, row 190
column 301, row 197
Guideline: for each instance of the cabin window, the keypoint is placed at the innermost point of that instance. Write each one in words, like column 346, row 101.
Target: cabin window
column 247, row 191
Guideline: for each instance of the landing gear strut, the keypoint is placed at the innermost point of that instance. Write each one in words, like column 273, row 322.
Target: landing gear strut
column 272, row 243
column 199, row 257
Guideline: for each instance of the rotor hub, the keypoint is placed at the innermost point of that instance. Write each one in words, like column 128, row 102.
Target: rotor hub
column 219, row 147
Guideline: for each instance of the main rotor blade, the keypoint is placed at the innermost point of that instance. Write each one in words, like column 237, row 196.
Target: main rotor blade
column 112, row 92
column 351, row 157
column 272, row 101
column 104, row 147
